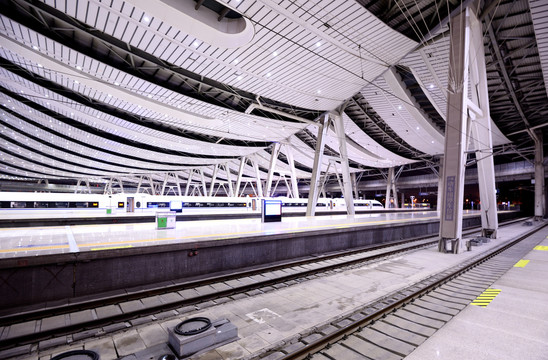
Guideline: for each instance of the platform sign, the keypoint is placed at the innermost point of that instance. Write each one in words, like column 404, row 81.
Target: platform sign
column 166, row 220
column 176, row 205
column 272, row 210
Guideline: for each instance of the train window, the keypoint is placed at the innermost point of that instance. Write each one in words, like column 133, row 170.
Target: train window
column 18, row 204
column 5, row 204
column 78, row 204
column 41, row 204
column 61, row 204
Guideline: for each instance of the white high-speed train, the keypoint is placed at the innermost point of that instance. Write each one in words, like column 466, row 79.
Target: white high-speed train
column 144, row 203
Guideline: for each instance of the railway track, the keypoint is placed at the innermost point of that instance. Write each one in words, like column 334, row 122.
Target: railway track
column 110, row 314
column 394, row 326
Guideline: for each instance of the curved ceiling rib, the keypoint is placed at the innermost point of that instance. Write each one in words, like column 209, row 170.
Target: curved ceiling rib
column 119, row 54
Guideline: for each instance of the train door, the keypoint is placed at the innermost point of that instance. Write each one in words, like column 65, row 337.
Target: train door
column 130, row 204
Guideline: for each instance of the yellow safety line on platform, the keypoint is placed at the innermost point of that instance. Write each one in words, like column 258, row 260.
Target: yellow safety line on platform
column 53, row 247
column 486, row 297
column 521, row 263
column 541, row 247
column 214, row 236
column 112, row 247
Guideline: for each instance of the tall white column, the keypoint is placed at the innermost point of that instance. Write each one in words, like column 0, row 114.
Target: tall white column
column 294, row 188
column 345, row 168
column 213, row 179
column 317, row 167
column 540, row 206
column 272, row 167
column 229, row 180
column 354, row 185
column 204, row 187
column 389, row 178
column 455, row 135
column 240, row 174
column 480, row 124
column 258, row 177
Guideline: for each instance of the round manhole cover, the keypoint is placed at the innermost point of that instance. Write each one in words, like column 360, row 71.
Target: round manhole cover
column 193, row 326
column 77, row 355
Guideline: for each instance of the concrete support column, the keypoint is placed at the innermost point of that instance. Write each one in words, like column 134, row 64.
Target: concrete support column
column 204, row 187
column 213, row 179
column 395, row 193
column 258, row 177
column 391, row 186
column 272, row 167
column 540, row 206
column 456, row 140
column 389, row 178
column 317, row 167
column 480, row 129
column 294, row 188
column 240, row 174
column 229, row 180
column 189, row 181
column 345, row 168
column 354, row 185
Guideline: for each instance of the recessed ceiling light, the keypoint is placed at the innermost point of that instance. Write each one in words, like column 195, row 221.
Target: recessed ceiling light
column 431, row 86
column 76, row 82
column 399, row 107
column 275, row 53
column 40, row 65
column 239, row 77
column 146, row 19
column 78, row 67
column 116, row 83
column 319, row 91
column 318, row 44
column 196, row 43
column 417, row 128
column 268, row 75
column 236, row 61
column 35, row 47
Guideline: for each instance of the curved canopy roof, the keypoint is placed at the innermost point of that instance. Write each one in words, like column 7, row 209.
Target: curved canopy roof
column 94, row 89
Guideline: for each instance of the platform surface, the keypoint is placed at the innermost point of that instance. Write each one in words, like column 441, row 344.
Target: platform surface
column 272, row 317
column 513, row 326
column 35, row 241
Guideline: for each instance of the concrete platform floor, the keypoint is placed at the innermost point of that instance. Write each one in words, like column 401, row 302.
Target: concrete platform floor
column 280, row 314
column 36, row 241
column 513, row 326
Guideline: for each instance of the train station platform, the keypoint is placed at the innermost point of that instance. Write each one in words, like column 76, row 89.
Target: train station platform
column 279, row 316
column 512, row 326
column 69, row 262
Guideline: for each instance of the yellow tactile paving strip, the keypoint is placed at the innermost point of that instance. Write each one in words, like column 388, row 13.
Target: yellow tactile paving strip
column 521, row 263
column 486, row 297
